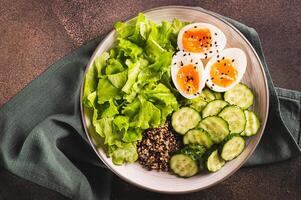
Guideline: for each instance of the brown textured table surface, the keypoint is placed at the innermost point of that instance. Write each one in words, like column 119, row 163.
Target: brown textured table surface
column 36, row 33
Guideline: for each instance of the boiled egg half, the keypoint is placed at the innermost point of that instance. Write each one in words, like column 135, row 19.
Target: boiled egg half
column 202, row 38
column 225, row 69
column 187, row 74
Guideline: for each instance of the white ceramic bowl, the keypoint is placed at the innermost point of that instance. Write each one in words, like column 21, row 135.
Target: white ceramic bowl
column 254, row 78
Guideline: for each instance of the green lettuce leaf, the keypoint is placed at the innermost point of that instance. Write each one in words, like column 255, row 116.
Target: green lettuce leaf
column 90, row 85
column 104, row 128
column 111, row 110
column 125, row 152
column 133, row 72
column 132, row 135
column 106, row 91
column 128, row 48
column 148, row 116
column 114, row 66
column 121, row 122
column 163, row 98
column 176, row 26
column 140, row 31
column 119, row 79
column 100, row 63
column 131, row 109
column 123, row 29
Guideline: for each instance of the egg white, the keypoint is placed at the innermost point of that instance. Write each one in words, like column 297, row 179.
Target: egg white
column 216, row 36
column 240, row 63
column 182, row 58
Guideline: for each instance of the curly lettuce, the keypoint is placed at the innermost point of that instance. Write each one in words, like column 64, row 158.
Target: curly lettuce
column 129, row 88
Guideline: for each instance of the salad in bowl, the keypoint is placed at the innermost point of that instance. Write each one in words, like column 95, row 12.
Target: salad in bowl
column 170, row 96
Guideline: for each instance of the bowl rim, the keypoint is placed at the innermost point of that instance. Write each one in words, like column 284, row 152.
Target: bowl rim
column 264, row 121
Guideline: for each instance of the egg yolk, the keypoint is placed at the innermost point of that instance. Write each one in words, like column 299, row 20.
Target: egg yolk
column 196, row 40
column 188, row 79
column 223, row 73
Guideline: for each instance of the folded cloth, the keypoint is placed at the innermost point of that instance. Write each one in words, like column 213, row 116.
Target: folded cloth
column 42, row 138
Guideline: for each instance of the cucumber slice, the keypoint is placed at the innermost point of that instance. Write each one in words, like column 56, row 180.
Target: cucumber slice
column 252, row 125
column 235, row 118
column 198, row 105
column 233, row 145
column 201, row 101
column 198, row 136
column 213, row 108
column 216, row 127
column 207, row 95
column 213, row 161
column 218, row 95
column 240, row 95
column 183, row 165
column 184, row 120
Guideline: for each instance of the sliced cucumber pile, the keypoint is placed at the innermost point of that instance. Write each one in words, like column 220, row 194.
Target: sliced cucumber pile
column 213, row 108
column 216, row 127
column 218, row 95
column 201, row 101
column 235, row 118
column 233, row 145
column 185, row 119
column 183, row 165
column 207, row 95
column 213, row 161
column 198, row 136
column 198, row 105
column 252, row 125
column 213, row 127
column 240, row 95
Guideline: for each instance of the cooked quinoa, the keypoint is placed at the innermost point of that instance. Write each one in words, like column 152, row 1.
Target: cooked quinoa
column 156, row 147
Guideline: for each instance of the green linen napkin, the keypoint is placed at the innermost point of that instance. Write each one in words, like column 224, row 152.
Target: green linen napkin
column 42, row 138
